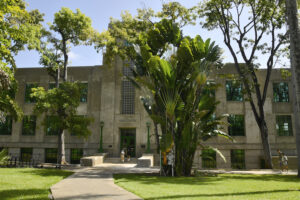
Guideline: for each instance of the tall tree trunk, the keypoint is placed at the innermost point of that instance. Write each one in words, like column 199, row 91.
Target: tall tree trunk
column 265, row 143
column 61, row 158
column 292, row 16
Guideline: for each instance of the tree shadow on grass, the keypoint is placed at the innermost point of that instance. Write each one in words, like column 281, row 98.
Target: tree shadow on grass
column 264, row 177
column 156, row 179
column 28, row 194
column 48, row 172
column 219, row 195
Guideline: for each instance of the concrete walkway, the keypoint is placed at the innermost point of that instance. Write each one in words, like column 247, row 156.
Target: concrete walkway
column 96, row 183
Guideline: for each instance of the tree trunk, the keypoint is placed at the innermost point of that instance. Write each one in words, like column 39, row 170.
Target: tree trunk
column 61, row 155
column 156, row 137
column 265, row 143
column 292, row 16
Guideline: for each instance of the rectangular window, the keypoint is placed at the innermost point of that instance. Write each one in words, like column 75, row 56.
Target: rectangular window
column 83, row 92
column 52, row 125
column 26, row 154
column 284, row 125
column 209, row 158
column 51, row 155
column 29, row 123
column 237, row 159
column 128, row 97
column 51, row 86
column 236, row 125
column 6, row 126
column 28, row 88
column 281, row 92
column 76, row 154
column 234, row 91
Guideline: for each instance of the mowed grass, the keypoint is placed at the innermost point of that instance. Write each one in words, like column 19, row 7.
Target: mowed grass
column 28, row 183
column 222, row 186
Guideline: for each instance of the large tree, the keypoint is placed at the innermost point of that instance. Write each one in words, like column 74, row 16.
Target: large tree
column 293, row 24
column 250, row 28
column 18, row 29
column 68, row 29
column 173, row 69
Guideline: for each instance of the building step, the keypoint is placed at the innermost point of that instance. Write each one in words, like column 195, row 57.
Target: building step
column 118, row 160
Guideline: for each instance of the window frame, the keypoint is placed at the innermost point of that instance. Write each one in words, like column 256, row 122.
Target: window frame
column 47, row 126
column 83, row 93
column 47, row 153
column 232, row 128
column 230, row 83
column 29, row 116
column 7, row 125
column 79, row 155
column 235, row 164
column 209, row 162
column 290, row 125
column 280, row 98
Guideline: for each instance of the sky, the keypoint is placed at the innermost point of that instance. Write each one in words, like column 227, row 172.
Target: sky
column 100, row 11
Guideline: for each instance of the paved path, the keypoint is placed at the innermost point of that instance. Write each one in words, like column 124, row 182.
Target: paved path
column 96, row 183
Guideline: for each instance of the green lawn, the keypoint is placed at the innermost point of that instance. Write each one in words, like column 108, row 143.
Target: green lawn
column 222, row 186
column 28, row 183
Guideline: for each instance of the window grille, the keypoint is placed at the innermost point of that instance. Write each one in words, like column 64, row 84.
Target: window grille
column 209, row 158
column 26, row 154
column 284, row 125
column 281, row 92
column 234, row 91
column 128, row 66
column 51, row 155
column 52, row 125
column 236, row 125
column 6, row 126
column 128, row 97
column 76, row 154
column 238, row 159
column 29, row 123
column 83, row 92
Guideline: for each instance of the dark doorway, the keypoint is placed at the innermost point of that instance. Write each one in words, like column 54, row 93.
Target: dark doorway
column 128, row 141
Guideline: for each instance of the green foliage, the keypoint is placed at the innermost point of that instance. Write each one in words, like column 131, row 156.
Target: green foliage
column 3, row 156
column 62, row 102
column 18, row 28
column 174, row 69
column 8, row 89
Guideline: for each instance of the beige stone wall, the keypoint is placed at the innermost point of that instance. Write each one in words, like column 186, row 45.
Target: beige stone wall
column 104, row 104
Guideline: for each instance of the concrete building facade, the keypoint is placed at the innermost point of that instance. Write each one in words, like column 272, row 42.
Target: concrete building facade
column 112, row 100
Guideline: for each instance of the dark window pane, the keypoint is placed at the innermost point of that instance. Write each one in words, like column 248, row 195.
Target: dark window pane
column 6, row 126
column 51, row 86
column 29, row 123
column 76, row 154
column 281, row 92
column 236, row 125
column 234, row 91
column 28, row 88
column 52, row 125
column 209, row 158
column 238, row 159
column 83, row 92
column 284, row 125
column 51, row 155
column 26, row 154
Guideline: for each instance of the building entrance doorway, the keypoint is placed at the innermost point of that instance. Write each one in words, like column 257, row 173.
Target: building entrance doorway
column 128, row 141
